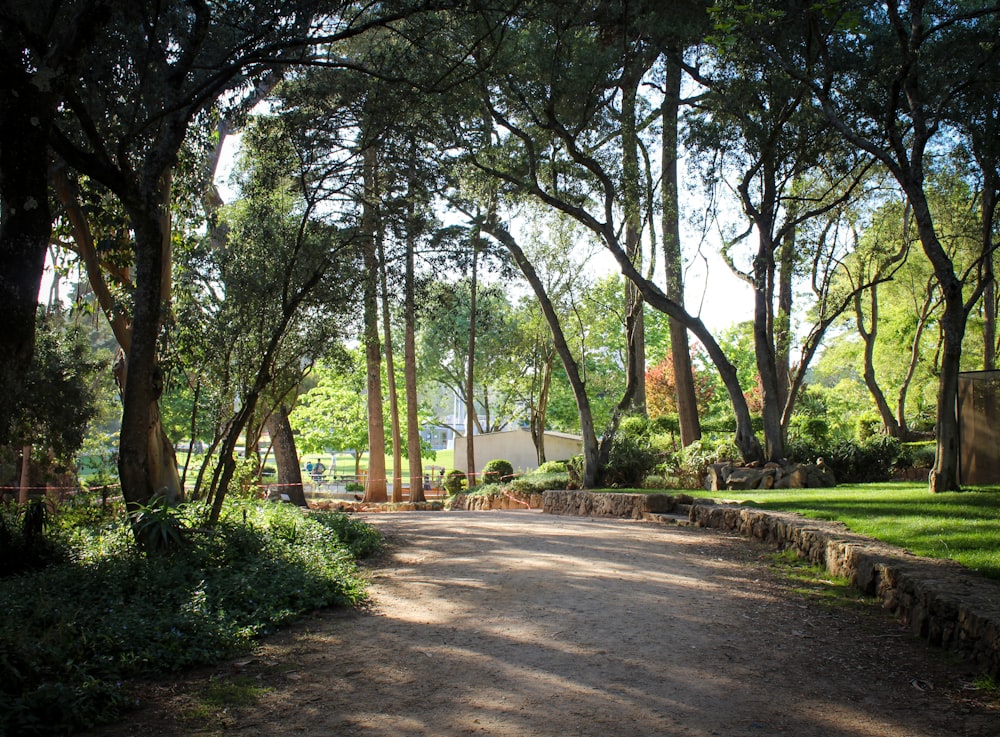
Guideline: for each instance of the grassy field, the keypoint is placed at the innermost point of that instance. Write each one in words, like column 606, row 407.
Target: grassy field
column 963, row 526
column 345, row 463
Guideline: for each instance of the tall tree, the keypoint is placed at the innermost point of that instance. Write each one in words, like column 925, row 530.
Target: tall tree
column 552, row 108
column 887, row 76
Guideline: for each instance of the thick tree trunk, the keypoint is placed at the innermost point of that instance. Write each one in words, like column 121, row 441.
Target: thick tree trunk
column 25, row 229
column 24, row 486
column 944, row 475
column 147, row 465
column 390, row 374
column 375, row 483
column 413, row 445
column 286, row 456
column 680, row 348
column 991, row 189
column 470, row 375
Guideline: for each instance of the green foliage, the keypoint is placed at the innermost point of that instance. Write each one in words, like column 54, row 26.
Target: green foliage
column 497, row 471
column 73, row 631
column 455, row 482
column 58, row 399
column 632, row 456
column 23, row 543
column 867, row 426
column 853, row 462
column 538, row 481
column 690, row 464
column 552, row 467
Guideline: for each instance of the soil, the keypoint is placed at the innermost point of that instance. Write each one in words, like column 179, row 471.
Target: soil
column 519, row 624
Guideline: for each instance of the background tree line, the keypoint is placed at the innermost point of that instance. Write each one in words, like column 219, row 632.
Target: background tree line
column 401, row 162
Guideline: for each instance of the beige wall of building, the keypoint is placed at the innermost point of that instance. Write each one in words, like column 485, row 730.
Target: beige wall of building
column 516, row 446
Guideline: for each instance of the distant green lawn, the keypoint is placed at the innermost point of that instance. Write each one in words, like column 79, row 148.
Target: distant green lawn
column 963, row 526
column 345, row 462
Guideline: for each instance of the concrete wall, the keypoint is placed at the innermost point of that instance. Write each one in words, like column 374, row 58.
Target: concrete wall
column 516, row 446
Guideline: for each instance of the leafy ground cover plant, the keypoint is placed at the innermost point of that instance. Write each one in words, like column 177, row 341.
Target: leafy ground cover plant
column 74, row 632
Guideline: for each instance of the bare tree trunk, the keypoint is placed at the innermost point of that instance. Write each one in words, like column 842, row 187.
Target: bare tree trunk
column 375, row 483
column 147, row 465
column 680, row 348
column 991, row 187
column 390, row 373
column 25, row 229
column 413, row 444
column 470, row 376
column 783, row 319
column 869, row 336
column 285, row 455
column 591, row 445
column 635, row 326
column 944, row 474
column 24, row 489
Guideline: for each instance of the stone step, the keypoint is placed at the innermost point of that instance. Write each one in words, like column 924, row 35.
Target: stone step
column 675, row 518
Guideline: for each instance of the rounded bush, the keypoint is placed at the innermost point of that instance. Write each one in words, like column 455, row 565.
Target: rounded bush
column 454, row 482
column 497, row 471
column 553, row 467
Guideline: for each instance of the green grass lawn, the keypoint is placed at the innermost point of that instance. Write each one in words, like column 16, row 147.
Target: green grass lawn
column 345, row 462
column 963, row 526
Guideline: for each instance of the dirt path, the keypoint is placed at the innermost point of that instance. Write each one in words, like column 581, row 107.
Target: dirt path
column 518, row 624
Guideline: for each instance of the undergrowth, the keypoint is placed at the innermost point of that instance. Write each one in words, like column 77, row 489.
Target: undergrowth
column 75, row 631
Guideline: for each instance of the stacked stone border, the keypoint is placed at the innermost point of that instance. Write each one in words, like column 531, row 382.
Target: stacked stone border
column 940, row 601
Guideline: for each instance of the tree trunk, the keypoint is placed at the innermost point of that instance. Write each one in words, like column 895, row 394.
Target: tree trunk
column 783, row 318
column 591, row 446
column 24, row 487
column 414, row 449
column 375, row 483
column 635, row 326
column 470, row 376
column 25, row 229
column 147, row 465
column 680, row 348
column 944, row 474
column 540, row 411
column 390, row 374
column 869, row 336
column 286, row 456
column 991, row 189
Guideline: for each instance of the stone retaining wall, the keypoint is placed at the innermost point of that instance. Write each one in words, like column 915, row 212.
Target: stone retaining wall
column 499, row 500
column 941, row 601
column 629, row 506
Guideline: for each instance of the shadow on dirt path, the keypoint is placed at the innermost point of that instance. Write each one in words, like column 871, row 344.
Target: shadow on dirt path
column 518, row 624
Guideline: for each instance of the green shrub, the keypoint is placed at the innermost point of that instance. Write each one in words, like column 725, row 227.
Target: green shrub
column 24, row 542
column 631, row 457
column 867, row 426
column 497, row 471
column 921, row 455
column 552, row 467
column 537, row 482
column 853, row 462
column 691, row 464
column 74, row 631
column 455, row 482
